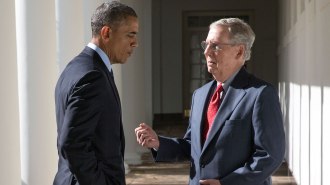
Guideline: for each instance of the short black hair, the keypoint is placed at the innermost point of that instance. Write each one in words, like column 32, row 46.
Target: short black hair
column 110, row 14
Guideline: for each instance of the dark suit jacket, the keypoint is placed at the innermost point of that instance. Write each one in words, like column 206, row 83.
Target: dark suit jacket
column 246, row 143
column 90, row 138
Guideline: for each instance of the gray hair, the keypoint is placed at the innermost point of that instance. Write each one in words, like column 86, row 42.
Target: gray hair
column 239, row 33
column 110, row 14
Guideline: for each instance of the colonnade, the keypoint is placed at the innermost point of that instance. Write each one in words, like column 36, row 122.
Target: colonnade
column 40, row 38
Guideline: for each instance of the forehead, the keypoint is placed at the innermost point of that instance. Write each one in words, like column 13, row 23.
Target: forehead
column 218, row 33
column 129, row 24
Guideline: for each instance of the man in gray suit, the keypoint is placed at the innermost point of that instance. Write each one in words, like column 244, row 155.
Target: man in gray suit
column 235, row 134
column 90, row 137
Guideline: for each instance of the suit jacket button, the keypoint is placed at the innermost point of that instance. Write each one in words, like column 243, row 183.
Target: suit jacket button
column 202, row 165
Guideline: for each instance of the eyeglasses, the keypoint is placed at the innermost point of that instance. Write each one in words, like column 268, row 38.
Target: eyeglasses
column 214, row 47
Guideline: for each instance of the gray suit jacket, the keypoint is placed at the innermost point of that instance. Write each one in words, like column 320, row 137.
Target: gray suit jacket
column 90, row 137
column 246, row 143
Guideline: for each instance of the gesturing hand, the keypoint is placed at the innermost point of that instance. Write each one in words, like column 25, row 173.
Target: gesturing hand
column 210, row 182
column 146, row 136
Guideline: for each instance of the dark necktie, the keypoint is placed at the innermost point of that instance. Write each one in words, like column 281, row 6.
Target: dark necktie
column 111, row 74
column 212, row 110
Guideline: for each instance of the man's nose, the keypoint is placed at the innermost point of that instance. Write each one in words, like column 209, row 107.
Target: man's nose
column 135, row 43
column 207, row 50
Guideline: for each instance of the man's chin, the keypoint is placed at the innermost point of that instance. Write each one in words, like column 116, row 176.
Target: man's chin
column 211, row 70
column 121, row 61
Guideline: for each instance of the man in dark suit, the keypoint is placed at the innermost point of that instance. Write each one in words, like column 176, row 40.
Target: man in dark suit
column 235, row 134
column 90, row 137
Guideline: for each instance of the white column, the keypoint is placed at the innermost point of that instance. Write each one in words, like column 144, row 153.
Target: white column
column 69, row 30
column 133, row 80
column 9, row 127
column 37, row 74
column 323, row 54
column 89, row 7
column 326, row 133
column 73, row 33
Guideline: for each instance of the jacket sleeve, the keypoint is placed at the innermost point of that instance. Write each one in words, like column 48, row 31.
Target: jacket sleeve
column 172, row 149
column 269, row 142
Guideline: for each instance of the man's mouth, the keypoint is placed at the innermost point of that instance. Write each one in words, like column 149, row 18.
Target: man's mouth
column 211, row 62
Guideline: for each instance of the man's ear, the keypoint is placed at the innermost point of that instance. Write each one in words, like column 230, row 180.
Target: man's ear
column 240, row 51
column 106, row 32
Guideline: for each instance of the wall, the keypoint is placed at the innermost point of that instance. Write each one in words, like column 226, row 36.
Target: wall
column 9, row 126
column 133, row 80
column 304, row 87
column 37, row 72
column 167, row 45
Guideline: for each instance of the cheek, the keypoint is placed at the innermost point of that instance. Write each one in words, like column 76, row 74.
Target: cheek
column 223, row 59
column 219, row 59
column 124, row 46
column 120, row 49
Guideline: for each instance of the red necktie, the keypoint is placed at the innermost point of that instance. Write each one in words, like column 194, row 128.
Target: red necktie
column 212, row 110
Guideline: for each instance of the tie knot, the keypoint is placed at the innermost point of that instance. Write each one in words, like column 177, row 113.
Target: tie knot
column 219, row 88
column 216, row 95
column 111, row 73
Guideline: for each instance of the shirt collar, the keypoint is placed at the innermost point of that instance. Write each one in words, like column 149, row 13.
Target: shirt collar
column 227, row 83
column 103, row 56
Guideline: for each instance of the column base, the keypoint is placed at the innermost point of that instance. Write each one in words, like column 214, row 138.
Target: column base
column 133, row 159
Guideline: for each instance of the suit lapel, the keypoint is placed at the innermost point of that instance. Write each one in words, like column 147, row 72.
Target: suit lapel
column 113, row 85
column 234, row 95
column 97, row 59
column 201, row 107
column 102, row 67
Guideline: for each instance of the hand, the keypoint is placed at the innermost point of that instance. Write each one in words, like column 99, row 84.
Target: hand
column 146, row 136
column 210, row 182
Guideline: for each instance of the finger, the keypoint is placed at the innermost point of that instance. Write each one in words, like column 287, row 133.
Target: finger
column 146, row 142
column 204, row 182
column 144, row 136
column 145, row 126
column 141, row 126
column 138, row 134
column 143, row 133
column 210, row 182
column 201, row 181
column 143, row 143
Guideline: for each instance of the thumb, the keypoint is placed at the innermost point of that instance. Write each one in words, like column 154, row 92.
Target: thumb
column 204, row 182
column 143, row 125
